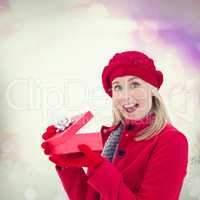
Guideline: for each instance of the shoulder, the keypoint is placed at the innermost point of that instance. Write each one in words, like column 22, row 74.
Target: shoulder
column 172, row 141
column 171, row 134
column 171, row 149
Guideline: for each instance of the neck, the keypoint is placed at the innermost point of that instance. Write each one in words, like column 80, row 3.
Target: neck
column 142, row 123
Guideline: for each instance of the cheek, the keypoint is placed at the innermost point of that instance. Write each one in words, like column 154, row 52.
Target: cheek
column 143, row 97
column 140, row 94
column 117, row 102
column 144, row 105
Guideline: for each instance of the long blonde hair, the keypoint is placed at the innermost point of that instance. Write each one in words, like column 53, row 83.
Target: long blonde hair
column 159, row 122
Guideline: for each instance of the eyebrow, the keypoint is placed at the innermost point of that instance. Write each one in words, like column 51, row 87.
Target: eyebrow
column 128, row 80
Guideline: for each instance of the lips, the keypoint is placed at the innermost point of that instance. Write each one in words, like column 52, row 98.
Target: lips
column 130, row 107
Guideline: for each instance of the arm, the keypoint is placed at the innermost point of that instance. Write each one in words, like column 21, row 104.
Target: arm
column 163, row 177
column 74, row 181
column 72, row 178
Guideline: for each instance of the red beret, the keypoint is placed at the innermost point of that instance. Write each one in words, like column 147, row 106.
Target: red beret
column 131, row 63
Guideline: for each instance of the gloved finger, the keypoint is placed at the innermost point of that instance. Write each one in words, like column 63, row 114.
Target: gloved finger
column 47, row 151
column 86, row 149
column 71, row 156
column 70, row 162
column 54, row 160
column 59, row 162
column 44, row 145
column 51, row 128
column 48, row 135
column 75, row 155
column 46, row 148
column 50, row 132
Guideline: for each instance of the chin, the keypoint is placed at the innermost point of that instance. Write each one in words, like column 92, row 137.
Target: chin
column 131, row 116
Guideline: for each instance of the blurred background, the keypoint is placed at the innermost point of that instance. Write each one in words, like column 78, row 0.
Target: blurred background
column 52, row 54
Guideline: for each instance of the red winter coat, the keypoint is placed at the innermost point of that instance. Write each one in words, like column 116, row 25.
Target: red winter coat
column 146, row 170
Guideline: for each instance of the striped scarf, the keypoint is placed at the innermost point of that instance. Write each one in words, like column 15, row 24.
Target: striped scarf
column 112, row 143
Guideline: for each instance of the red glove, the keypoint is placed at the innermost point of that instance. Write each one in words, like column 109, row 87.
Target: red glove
column 50, row 132
column 86, row 158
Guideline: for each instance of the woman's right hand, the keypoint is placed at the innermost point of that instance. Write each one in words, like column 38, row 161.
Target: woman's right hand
column 50, row 132
column 59, row 160
column 54, row 129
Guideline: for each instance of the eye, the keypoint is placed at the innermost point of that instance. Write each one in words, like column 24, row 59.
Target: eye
column 133, row 84
column 116, row 88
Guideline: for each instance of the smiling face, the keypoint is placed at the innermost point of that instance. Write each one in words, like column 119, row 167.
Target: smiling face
column 131, row 96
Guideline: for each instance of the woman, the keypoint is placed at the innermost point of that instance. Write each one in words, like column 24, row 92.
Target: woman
column 144, row 156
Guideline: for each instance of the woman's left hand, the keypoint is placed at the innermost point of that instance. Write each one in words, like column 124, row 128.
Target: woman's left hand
column 85, row 158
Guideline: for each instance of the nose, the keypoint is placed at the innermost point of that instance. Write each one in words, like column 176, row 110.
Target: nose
column 127, row 95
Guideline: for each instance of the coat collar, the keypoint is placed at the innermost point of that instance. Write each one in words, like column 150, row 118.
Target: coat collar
column 131, row 125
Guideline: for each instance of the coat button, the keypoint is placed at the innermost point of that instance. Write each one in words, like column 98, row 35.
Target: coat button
column 121, row 152
column 130, row 127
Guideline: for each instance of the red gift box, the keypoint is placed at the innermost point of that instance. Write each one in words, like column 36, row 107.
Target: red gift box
column 68, row 140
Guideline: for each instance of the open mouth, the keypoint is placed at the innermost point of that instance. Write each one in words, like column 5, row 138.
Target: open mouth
column 130, row 107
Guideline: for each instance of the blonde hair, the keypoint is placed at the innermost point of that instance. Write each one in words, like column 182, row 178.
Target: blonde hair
column 159, row 122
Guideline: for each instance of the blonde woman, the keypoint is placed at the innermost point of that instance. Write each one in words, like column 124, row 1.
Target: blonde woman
column 144, row 156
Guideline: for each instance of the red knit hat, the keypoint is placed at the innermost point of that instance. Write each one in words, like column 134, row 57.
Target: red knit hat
column 131, row 63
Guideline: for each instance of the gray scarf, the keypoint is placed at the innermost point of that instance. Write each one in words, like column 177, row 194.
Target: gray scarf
column 112, row 143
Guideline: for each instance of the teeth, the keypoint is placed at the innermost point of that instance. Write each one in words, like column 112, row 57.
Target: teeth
column 129, row 105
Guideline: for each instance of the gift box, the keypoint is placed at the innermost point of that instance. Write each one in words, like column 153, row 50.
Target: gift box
column 67, row 141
